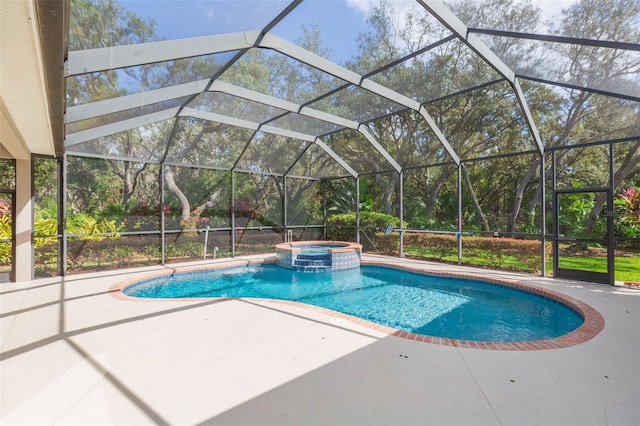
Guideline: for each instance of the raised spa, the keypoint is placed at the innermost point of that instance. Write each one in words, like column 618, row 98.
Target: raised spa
column 318, row 256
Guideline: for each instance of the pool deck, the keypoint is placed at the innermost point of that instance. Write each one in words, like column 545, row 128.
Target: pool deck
column 72, row 353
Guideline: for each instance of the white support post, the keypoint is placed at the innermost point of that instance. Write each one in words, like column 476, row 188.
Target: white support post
column 23, row 223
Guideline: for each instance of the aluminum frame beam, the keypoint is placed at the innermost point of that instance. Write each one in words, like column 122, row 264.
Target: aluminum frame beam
column 373, row 141
column 103, row 59
column 305, row 111
column 94, row 109
column 218, row 118
column 610, row 44
column 130, row 124
column 110, row 106
column 579, row 87
column 527, row 113
column 291, row 50
column 115, row 57
column 441, row 12
column 123, row 103
column 443, row 140
column 240, row 92
column 120, row 126
column 96, row 60
column 463, row 91
column 190, row 112
column 336, row 157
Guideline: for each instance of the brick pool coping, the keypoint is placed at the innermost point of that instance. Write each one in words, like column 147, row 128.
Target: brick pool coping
column 592, row 325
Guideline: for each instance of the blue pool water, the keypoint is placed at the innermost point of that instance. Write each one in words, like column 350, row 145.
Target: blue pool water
column 321, row 247
column 436, row 306
column 317, row 249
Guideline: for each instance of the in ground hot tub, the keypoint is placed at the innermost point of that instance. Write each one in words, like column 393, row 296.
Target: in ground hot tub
column 318, row 256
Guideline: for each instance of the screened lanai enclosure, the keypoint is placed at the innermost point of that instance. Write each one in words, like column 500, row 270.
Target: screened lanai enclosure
column 495, row 133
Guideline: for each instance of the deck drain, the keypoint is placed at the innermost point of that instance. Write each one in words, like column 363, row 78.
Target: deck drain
column 338, row 321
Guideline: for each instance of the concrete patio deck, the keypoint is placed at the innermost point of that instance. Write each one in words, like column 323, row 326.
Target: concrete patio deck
column 72, row 353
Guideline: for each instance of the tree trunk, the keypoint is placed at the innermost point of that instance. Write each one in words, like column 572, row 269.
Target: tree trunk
column 573, row 115
column 476, row 204
column 535, row 200
column 517, row 202
column 433, row 192
column 128, row 174
column 184, row 201
column 188, row 217
column 389, row 189
column 210, row 203
column 388, row 194
column 129, row 184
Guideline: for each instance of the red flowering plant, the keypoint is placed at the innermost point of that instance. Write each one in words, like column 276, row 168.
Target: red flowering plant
column 631, row 199
column 628, row 217
column 5, row 208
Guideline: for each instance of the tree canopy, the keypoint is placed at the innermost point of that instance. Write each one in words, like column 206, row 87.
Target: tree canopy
column 408, row 52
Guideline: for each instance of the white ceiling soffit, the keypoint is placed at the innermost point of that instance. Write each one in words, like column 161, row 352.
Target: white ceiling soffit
column 25, row 126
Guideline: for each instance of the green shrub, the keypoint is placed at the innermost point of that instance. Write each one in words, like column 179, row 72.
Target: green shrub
column 45, row 230
column 5, row 234
column 434, row 246
column 85, row 225
column 342, row 227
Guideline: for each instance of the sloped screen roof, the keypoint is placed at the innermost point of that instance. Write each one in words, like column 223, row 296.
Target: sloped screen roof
column 325, row 89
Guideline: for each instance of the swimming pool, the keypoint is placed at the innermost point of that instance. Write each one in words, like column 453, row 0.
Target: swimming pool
column 447, row 307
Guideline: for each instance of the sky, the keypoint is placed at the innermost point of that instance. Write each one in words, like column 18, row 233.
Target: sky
column 340, row 21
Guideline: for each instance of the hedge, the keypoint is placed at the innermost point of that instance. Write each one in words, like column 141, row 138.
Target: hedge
column 485, row 251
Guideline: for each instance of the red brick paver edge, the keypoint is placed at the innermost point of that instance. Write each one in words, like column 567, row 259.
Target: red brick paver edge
column 592, row 325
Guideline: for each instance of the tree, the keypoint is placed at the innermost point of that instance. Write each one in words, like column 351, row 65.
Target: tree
column 104, row 23
column 481, row 122
column 567, row 117
column 592, row 117
column 486, row 121
column 209, row 189
column 219, row 145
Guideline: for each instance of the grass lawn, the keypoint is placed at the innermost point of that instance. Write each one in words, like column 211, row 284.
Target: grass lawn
column 627, row 268
column 475, row 257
